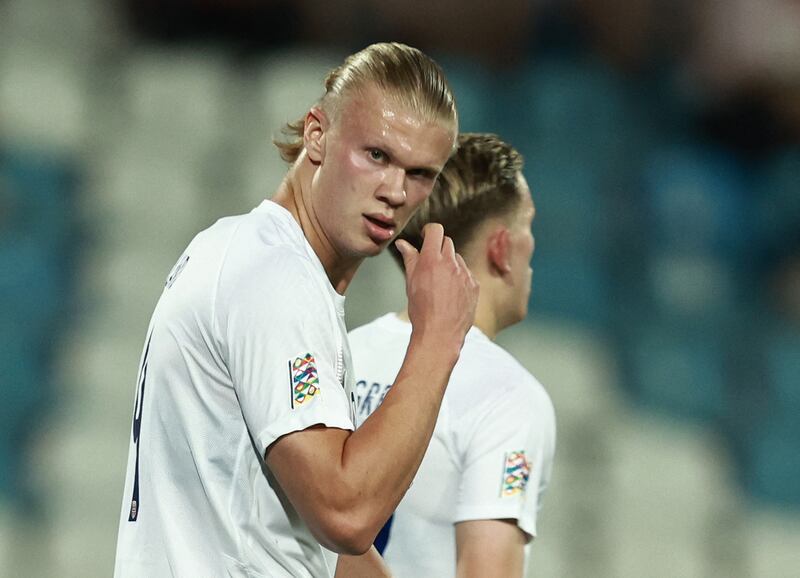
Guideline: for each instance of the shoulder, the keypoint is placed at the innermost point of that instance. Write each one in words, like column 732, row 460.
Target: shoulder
column 267, row 265
column 487, row 371
column 268, row 243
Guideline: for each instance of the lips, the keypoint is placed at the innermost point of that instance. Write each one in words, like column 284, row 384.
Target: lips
column 379, row 227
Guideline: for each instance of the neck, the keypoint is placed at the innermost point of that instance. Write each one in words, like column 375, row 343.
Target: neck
column 293, row 195
column 485, row 318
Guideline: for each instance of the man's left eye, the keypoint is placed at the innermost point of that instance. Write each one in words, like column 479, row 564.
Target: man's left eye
column 376, row 154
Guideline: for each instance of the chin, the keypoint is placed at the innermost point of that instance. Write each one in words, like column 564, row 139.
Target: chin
column 368, row 249
column 521, row 314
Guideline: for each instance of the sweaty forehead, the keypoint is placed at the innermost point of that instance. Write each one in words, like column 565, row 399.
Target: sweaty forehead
column 373, row 98
column 372, row 113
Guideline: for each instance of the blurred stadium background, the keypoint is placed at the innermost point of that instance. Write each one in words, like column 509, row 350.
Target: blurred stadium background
column 662, row 140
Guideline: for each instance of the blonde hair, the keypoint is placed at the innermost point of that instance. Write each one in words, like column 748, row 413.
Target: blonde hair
column 406, row 73
column 478, row 182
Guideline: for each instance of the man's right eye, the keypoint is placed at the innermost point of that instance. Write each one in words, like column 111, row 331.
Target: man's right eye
column 377, row 155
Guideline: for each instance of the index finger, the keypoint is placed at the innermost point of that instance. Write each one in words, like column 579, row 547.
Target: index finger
column 432, row 237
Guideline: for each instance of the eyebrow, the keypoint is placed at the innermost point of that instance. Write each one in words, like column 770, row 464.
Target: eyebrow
column 428, row 171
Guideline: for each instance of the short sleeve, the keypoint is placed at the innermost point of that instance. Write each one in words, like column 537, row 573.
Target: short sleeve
column 282, row 346
column 506, row 448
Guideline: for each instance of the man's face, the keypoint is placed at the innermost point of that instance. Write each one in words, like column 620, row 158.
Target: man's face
column 379, row 161
column 522, row 247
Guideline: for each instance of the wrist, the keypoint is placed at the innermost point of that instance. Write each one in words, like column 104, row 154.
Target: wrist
column 445, row 349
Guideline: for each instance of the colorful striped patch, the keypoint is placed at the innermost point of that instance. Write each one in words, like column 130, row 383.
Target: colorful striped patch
column 515, row 474
column 304, row 380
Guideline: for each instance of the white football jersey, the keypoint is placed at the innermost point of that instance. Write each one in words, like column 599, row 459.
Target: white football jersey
column 490, row 456
column 247, row 343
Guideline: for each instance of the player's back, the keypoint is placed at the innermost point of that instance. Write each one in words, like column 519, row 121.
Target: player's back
column 198, row 499
column 495, row 435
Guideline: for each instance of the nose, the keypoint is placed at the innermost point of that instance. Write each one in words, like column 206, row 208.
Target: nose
column 392, row 190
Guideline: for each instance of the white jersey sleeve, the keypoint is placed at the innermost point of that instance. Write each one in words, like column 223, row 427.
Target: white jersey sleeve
column 507, row 449
column 282, row 346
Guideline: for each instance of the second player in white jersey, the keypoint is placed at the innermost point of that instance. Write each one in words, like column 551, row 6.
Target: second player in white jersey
column 490, row 456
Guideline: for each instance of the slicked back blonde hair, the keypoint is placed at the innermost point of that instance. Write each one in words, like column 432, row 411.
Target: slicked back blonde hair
column 403, row 72
column 479, row 181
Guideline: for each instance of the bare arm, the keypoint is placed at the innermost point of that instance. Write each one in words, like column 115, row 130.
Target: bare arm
column 489, row 549
column 369, row 565
column 345, row 484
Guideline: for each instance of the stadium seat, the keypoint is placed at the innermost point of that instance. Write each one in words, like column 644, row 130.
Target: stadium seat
column 696, row 202
column 676, row 370
column 782, row 357
column 570, row 284
column 779, row 197
column 38, row 192
column 23, row 352
column 772, row 466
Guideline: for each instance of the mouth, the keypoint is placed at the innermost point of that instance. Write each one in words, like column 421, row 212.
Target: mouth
column 380, row 228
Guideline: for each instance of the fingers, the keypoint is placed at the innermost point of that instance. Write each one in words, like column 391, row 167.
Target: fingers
column 432, row 237
column 461, row 263
column 448, row 249
column 434, row 243
column 409, row 254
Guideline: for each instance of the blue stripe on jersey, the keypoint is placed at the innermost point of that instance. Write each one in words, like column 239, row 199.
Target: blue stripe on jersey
column 382, row 539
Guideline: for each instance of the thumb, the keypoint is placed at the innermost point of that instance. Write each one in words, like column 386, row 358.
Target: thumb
column 409, row 254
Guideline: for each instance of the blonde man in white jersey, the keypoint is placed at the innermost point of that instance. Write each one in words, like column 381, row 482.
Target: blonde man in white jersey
column 243, row 460
column 472, row 508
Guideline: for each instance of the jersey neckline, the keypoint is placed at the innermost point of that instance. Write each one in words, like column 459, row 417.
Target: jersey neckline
column 271, row 207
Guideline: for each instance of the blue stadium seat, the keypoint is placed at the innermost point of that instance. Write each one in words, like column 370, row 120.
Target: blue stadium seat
column 32, row 287
column 37, row 246
column 578, row 113
column 39, row 192
column 772, row 463
column 24, row 387
column 677, row 370
column 782, row 364
column 779, row 197
column 696, row 202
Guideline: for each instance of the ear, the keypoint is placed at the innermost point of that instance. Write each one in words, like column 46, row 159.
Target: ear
column 314, row 130
column 498, row 250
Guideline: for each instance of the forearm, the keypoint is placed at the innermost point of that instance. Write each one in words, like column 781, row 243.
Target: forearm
column 382, row 456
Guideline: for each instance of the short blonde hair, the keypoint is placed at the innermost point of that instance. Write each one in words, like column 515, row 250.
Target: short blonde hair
column 479, row 181
column 406, row 73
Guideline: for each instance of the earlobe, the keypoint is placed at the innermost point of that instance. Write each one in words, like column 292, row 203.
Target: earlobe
column 498, row 251
column 316, row 124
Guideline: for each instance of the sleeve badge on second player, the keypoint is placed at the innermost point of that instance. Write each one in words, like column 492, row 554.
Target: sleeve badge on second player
column 303, row 380
column 515, row 474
